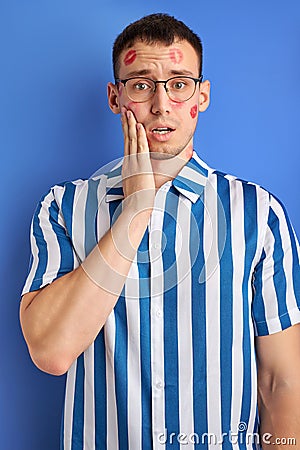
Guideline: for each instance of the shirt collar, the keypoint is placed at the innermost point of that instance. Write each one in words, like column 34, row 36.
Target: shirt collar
column 192, row 178
column 190, row 181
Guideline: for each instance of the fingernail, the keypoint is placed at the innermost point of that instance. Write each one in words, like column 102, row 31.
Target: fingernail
column 128, row 114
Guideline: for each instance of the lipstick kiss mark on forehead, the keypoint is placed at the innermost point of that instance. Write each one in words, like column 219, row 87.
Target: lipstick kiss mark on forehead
column 129, row 57
column 176, row 55
column 193, row 111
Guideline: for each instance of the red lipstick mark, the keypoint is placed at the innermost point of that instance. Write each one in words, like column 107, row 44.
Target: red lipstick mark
column 177, row 105
column 193, row 111
column 130, row 57
column 176, row 55
column 134, row 107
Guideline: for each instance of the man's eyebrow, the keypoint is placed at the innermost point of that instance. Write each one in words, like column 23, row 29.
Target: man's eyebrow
column 138, row 73
column 145, row 72
column 182, row 72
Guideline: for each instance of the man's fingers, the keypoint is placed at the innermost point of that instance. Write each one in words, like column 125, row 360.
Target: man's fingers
column 125, row 131
column 132, row 133
column 142, row 143
column 135, row 139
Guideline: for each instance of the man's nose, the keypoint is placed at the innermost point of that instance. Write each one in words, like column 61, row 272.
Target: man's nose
column 160, row 100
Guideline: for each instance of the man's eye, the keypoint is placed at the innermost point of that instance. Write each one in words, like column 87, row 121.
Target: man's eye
column 178, row 85
column 141, row 86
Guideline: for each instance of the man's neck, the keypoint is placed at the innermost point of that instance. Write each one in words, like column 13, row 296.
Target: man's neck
column 167, row 169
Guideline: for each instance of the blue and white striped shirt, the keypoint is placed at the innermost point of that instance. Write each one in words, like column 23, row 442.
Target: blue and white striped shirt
column 174, row 366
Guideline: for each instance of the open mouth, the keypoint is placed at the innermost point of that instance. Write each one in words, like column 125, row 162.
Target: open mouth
column 162, row 130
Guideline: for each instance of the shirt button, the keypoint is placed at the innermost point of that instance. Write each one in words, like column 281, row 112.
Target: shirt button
column 159, row 385
column 156, row 245
column 158, row 313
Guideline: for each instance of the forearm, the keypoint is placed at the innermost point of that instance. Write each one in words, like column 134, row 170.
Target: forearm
column 279, row 409
column 64, row 318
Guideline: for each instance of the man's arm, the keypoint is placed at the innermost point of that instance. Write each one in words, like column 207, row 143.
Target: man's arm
column 62, row 319
column 278, row 357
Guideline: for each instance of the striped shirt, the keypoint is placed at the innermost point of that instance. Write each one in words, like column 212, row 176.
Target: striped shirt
column 174, row 365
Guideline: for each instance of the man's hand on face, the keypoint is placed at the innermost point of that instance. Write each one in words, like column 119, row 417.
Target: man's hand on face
column 137, row 173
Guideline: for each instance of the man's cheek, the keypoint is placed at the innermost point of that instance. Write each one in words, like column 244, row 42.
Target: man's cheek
column 194, row 111
column 177, row 105
column 134, row 107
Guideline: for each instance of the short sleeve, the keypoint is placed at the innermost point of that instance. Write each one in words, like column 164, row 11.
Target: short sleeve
column 51, row 247
column 276, row 281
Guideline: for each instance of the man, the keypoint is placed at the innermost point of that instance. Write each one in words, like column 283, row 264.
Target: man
column 168, row 290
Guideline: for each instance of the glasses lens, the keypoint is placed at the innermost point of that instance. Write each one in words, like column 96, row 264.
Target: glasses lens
column 180, row 89
column 140, row 89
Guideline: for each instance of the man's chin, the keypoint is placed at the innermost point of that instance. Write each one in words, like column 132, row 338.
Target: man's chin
column 164, row 152
column 161, row 156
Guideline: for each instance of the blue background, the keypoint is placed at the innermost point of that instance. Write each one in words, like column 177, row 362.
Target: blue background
column 56, row 125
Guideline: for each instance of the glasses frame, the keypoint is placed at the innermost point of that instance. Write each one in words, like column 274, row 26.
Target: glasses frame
column 164, row 82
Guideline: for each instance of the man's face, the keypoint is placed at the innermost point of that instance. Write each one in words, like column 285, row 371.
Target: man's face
column 160, row 62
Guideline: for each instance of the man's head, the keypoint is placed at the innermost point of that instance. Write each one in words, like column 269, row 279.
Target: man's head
column 157, row 64
column 154, row 29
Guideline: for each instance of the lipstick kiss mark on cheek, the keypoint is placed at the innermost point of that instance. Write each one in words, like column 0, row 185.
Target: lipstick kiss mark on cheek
column 129, row 57
column 193, row 111
column 134, row 107
column 177, row 105
column 176, row 55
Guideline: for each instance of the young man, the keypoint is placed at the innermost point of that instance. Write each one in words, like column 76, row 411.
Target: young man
column 168, row 290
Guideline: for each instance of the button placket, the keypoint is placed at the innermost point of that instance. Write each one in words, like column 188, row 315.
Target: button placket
column 157, row 324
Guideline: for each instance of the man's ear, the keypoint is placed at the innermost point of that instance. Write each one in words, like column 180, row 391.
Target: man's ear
column 204, row 97
column 113, row 98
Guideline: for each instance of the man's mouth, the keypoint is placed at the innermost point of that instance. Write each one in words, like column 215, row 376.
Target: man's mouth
column 162, row 130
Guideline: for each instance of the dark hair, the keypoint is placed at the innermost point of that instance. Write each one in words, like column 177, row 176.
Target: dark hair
column 155, row 28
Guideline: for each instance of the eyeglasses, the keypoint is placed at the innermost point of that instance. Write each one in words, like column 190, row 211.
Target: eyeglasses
column 179, row 89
